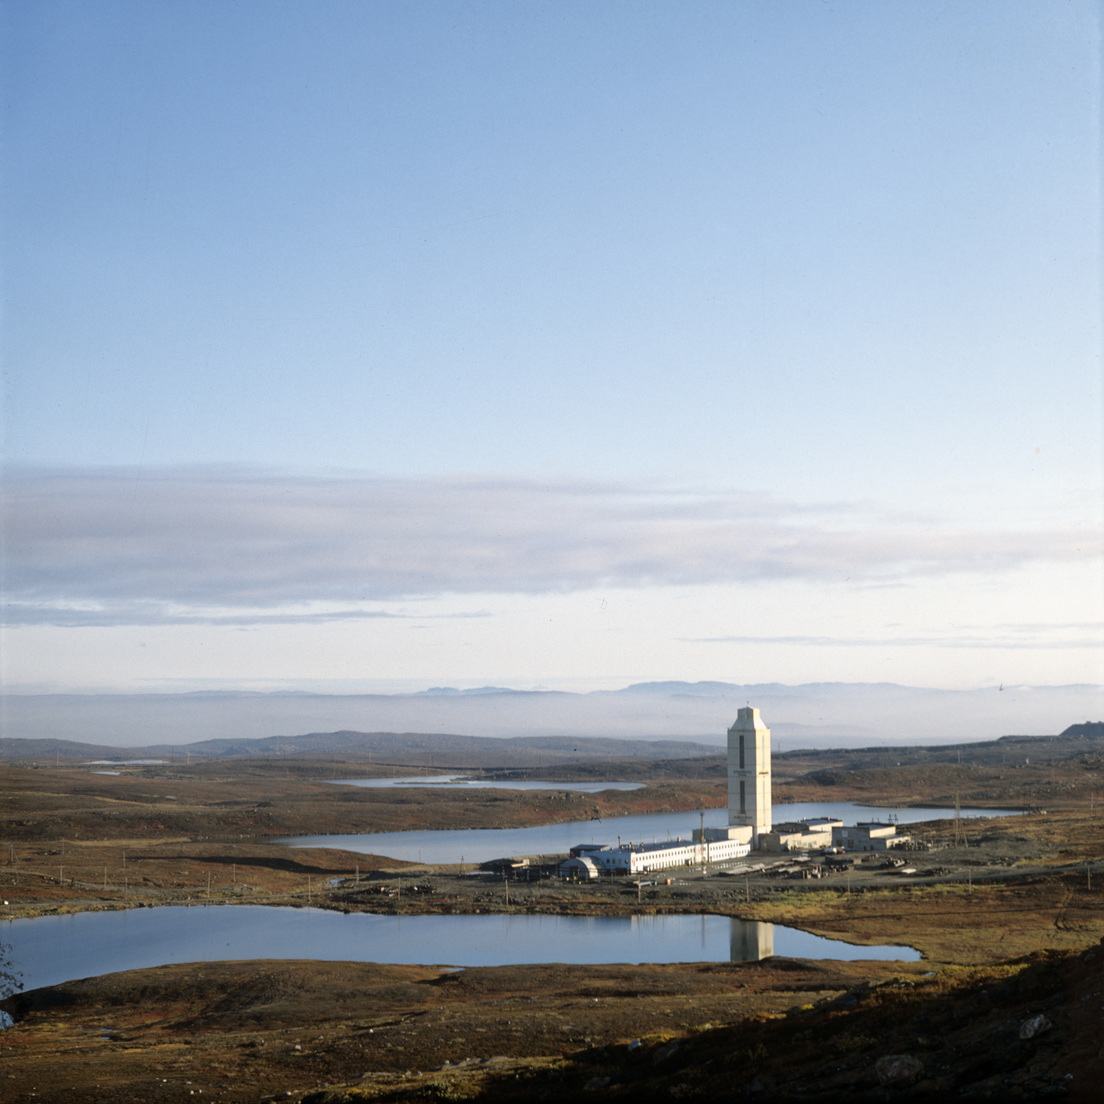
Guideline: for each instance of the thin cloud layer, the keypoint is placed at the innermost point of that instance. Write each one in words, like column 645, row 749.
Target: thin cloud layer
column 110, row 547
column 1050, row 637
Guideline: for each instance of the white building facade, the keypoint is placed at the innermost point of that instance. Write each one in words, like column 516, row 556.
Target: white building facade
column 649, row 858
column 749, row 774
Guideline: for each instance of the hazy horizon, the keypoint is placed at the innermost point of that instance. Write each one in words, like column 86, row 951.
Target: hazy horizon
column 817, row 715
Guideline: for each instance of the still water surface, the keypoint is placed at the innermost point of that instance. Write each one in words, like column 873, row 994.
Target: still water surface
column 476, row 845
column 51, row 949
column 459, row 781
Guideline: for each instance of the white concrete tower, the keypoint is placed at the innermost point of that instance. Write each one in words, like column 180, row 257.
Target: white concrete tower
column 749, row 773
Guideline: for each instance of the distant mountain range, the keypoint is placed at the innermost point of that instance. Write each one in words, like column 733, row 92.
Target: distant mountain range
column 418, row 750
column 409, row 749
column 807, row 715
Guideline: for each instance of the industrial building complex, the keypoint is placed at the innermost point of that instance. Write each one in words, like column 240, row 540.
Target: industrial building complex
column 749, row 822
column 718, row 845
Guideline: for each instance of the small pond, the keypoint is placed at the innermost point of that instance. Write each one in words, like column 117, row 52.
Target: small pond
column 128, row 762
column 459, row 781
column 51, row 949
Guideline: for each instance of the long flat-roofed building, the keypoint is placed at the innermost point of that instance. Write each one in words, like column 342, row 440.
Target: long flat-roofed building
column 869, row 836
column 802, row 835
column 718, row 846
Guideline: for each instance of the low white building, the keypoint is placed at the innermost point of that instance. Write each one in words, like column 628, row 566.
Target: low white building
column 872, row 836
column 719, row 845
column 814, row 834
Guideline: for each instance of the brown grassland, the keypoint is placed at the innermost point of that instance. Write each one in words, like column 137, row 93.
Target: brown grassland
column 1009, row 926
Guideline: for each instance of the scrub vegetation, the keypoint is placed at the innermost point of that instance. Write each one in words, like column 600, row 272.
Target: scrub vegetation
column 1007, row 1001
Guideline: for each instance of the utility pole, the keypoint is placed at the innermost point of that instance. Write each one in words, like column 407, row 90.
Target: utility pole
column 959, row 832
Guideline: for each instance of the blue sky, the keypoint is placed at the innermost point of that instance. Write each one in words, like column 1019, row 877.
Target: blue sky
column 385, row 345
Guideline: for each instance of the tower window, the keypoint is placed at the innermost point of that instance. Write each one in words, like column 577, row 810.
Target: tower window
column 741, row 752
column 743, row 804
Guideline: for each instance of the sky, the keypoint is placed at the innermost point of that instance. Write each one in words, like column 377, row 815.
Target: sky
column 359, row 347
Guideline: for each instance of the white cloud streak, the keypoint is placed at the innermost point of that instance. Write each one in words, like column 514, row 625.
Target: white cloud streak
column 238, row 547
column 1090, row 639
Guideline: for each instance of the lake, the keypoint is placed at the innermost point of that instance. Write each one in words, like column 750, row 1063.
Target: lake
column 51, row 949
column 476, row 845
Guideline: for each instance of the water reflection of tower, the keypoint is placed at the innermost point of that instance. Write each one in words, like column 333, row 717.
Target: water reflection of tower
column 750, row 941
column 749, row 774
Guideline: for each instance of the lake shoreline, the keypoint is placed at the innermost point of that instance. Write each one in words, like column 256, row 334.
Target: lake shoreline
column 1019, row 894
column 50, row 951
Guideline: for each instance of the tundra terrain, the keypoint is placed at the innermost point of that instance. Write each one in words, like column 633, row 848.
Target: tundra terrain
column 1007, row 1002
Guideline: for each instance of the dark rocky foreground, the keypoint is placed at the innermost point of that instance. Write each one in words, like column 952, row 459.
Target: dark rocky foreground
column 1035, row 1034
